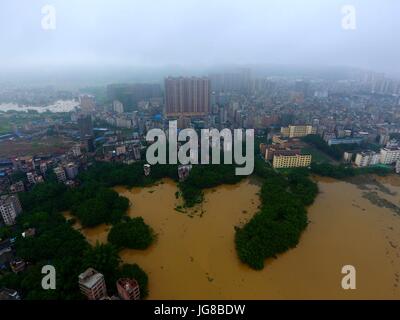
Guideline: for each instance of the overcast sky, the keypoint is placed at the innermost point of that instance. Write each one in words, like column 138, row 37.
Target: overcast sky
column 200, row 32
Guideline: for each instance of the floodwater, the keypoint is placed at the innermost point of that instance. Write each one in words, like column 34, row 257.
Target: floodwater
column 194, row 256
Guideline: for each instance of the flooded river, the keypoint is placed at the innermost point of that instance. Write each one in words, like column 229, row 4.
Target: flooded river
column 194, row 256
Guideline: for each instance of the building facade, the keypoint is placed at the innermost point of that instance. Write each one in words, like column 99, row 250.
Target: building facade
column 92, row 284
column 187, row 96
column 128, row 289
column 390, row 155
column 60, row 174
column 297, row 131
column 10, row 208
column 367, row 158
column 291, row 161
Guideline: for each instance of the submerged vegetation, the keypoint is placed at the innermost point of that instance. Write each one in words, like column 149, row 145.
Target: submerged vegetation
column 278, row 225
column 132, row 233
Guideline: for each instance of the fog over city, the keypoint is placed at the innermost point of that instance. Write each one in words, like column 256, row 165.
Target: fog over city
column 197, row 34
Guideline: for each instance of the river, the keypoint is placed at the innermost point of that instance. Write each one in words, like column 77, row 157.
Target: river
column 194, row 256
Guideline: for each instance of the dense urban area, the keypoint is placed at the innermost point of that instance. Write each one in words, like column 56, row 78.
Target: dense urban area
column 65, row 150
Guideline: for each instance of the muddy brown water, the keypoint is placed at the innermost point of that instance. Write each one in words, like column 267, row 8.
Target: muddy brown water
column 194, row 256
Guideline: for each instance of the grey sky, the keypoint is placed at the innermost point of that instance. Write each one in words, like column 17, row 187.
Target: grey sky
column 200, row 32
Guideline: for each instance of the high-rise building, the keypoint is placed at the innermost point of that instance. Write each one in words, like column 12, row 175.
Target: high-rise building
column 10, row 208
column 187, row 96
column 131, row 94
column 92, row 284
column 128, row 289
column 118, row 107
column 87, row 103
column 297, row 131
column 85, row 125
column 367, row 158
column 390, row 155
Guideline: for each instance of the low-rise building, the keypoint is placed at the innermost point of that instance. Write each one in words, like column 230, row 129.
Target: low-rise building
column 297, row 131
column 345, row 141
column 17, row 265
column 17, row 187
column 291, row 161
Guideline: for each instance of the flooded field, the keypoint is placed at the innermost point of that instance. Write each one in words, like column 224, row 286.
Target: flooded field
column 194, row 256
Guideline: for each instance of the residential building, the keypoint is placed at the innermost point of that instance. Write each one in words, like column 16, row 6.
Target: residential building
column 187, row 96
column 85, row 126
column 390, row 155
column 60, row 174
column 87, row 103
column 118, row 107
column 128, row 289
column 10, row 208
column 34, row 178
column 17, row 187
column 92, row 284
column 17, row 265
column 291, row 161
column 347, row 156
column 76, row 150
column 283, row 151
column 297, row 131
column 367, row 158
column 43, row 167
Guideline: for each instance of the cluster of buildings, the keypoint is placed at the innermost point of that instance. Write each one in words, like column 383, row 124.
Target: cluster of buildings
column 285, row 150
column 388, row 155
column 92, row 285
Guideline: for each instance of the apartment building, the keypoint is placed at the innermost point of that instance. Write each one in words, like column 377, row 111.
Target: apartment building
column 60, row 174
column 92, row 284
column 297, row 131
column 10, row 208
column 390, row 155
column 291, row 161
column 128, row 289
column 367, row 158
